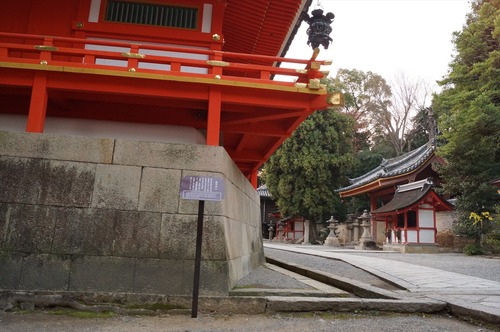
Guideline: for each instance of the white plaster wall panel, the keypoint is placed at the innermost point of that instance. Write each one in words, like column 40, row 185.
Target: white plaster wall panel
column 107, row 129
column 426, row 218
column 426, row 236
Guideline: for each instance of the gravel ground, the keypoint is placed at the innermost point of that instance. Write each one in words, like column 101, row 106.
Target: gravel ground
column 343, row 322
column 332, row 266
column 477, row 266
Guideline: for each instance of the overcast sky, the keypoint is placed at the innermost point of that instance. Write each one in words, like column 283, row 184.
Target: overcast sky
column 389, row 36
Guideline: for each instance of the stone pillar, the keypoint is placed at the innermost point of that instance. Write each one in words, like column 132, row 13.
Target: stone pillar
column 355, row 231
column 306, row 232
column 348, row 226
column 332, row 239
column 366, row 241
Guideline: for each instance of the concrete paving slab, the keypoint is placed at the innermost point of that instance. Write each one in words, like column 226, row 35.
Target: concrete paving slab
column 261, row 283
column 432, row 283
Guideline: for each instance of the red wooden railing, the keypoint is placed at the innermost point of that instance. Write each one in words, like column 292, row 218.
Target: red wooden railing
column 82, row 53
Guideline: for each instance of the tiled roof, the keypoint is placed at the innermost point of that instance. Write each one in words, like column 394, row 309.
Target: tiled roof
column 395, row 166
column 406, row 196
column 263, row 192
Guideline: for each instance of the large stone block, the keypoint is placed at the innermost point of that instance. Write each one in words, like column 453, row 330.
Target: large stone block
column 10, row 269
column 38, row 181
column 117, row 187
column 169, row 156
column 26, row 228
column 214, row 279
column 161, row 276
column 46, row 146
column 102, row 274
column 137, row 234
column 159, row 190
column 178, row 238
column 84, row 231
column 20, row 179
column 45, row 272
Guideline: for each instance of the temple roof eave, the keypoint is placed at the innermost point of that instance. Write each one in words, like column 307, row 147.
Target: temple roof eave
column 388, row 171
column 410, row 196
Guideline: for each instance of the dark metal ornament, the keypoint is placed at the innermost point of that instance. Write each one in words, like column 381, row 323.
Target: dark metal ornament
column 319, row 28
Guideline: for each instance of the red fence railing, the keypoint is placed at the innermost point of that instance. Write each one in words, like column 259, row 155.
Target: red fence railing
column 153, row 58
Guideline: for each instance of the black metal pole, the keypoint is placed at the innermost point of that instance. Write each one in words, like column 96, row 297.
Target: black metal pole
column 197, row 260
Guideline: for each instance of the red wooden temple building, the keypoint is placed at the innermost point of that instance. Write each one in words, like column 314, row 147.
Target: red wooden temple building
column 206, row 67
column 105, row 105
column 405, row 209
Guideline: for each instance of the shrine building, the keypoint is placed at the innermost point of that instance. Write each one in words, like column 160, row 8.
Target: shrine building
column 407, row 215
column 107, row 104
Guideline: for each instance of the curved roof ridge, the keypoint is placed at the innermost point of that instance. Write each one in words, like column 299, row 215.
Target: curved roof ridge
column 393, row 162
column 378, row 168
column 394, row 166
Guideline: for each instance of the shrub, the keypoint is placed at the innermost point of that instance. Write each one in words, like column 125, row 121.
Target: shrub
column 473, row 249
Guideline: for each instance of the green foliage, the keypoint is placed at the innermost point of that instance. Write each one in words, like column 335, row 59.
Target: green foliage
column 303, row 174
column 367, row 160
column 357, row 204
column 473, row 249
column 365, row 94
column 492, row 239
column 469, row 117
column 419, row 134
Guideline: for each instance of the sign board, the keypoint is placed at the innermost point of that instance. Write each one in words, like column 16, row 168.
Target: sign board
column 202, row 188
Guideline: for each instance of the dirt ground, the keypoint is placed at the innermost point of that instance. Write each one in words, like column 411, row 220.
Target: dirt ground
column 375, row 321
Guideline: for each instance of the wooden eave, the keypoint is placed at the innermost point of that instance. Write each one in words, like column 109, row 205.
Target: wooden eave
column 429, row 198
column 261, row 26
column 389, row 181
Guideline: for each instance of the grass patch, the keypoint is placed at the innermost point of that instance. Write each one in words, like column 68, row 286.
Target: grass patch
column 82, row 314
column 156, row 306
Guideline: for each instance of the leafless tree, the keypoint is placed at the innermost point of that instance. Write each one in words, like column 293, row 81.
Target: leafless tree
column 394, row 120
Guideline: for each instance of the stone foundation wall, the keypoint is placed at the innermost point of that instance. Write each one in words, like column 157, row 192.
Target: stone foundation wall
column 104, row 215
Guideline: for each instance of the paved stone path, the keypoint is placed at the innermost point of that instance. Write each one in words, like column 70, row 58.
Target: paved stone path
column 463, row 293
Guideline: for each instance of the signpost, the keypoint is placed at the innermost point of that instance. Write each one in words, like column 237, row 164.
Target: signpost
column 200, row 188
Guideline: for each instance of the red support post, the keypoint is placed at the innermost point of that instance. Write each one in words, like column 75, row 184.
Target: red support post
column 38, row 104
column 214, row 112
column 253, row 178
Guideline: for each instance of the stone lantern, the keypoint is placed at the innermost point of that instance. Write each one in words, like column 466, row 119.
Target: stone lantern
column 332, row 239
column 366, row 241
column 280, row 231
column 271, row 229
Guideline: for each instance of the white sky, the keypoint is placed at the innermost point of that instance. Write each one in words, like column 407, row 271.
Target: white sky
column 389, row 36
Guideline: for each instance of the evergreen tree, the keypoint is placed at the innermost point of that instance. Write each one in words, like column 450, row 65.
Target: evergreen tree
column 468, row 109
column 303, row 174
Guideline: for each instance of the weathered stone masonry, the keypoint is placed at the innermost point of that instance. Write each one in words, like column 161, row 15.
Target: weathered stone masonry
column 104, row 215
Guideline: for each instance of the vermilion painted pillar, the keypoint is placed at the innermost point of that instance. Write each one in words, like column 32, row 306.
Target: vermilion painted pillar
column 38, row 104
column 214, row 111
column 253, row 178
